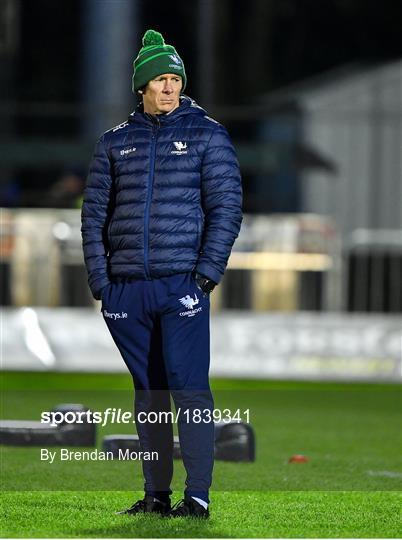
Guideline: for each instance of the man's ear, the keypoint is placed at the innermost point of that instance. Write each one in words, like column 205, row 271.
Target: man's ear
column 142, row 90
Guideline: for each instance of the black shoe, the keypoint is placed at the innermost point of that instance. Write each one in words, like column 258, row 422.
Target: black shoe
column 188, row 507
column 147, row 504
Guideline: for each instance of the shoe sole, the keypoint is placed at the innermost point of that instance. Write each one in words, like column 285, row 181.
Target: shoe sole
column 192, row 516
column 124, row 512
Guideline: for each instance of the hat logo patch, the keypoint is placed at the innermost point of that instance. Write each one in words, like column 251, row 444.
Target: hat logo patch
column 177, row 62
column 175, row 58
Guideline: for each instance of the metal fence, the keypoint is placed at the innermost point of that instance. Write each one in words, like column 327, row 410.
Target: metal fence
column 373, row 271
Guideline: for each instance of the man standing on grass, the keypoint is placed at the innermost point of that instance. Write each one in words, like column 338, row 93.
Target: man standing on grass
column 161, row 211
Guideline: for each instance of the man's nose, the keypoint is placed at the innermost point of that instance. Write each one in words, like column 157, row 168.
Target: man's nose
column 168, row 87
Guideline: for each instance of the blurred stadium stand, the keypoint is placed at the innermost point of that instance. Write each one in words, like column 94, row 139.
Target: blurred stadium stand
column 279, row 263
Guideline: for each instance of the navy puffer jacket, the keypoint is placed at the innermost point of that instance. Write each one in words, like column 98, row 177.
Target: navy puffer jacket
column 163, row 196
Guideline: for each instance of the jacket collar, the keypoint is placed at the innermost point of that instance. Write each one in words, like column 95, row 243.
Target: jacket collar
column 187, row 106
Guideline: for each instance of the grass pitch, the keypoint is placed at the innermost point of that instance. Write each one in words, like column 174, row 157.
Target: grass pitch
column 349, row 488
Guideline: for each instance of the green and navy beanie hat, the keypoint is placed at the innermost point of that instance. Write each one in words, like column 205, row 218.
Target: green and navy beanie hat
column 156, row 58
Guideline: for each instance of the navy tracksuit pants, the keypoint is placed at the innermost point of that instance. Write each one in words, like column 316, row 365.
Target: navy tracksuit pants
column 161, row 328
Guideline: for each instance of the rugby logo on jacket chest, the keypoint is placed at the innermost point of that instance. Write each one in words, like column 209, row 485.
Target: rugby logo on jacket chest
column 180, row 148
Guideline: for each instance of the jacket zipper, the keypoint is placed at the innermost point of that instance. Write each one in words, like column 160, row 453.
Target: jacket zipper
column 149, row 196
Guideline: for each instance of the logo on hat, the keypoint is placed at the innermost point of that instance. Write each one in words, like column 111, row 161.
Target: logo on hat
column 175, row 58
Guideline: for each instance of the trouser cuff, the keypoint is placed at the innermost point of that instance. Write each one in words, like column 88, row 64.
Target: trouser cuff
column 163, row 496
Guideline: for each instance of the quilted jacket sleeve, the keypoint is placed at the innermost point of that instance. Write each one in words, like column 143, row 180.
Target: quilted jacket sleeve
column 94, row 219
column 221, row 193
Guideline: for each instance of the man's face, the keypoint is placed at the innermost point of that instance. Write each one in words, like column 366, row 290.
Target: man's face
column 161, row 95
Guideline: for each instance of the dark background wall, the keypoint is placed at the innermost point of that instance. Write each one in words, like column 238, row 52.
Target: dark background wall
column 260, row 45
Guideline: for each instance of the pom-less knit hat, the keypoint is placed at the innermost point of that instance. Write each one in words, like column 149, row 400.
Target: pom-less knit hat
column 156, row 58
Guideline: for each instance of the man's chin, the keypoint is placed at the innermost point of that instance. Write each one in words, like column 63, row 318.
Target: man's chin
column 167, row 107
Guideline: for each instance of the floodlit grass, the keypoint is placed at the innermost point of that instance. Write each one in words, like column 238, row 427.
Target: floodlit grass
column 245, row 514
column 349, row 488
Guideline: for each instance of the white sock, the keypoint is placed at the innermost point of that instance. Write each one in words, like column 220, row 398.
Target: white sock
column 201, row 502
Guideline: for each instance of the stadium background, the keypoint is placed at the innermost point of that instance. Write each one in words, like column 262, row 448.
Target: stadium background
column 306, row 325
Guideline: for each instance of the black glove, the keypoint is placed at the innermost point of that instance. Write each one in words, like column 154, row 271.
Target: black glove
column 205, row 284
